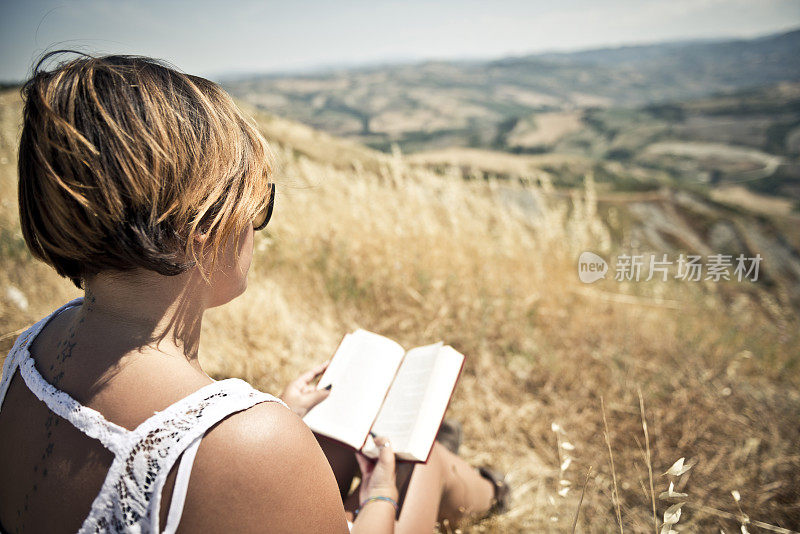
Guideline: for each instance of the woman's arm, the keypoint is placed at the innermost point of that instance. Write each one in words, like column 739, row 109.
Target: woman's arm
column 376, row 513
column 261, row 470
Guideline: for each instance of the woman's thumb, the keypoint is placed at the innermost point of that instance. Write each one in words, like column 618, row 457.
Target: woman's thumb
column 386, row 458
column 321, row 394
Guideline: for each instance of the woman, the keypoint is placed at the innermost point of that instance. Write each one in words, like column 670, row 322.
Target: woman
column 144, row 186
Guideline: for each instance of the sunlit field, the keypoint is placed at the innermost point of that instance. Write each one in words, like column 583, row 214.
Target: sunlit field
column 560, row 377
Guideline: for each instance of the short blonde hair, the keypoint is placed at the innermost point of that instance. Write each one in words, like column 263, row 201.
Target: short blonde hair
column 124, row 160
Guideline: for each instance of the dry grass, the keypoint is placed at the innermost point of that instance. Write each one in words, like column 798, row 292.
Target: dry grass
column 420, row 257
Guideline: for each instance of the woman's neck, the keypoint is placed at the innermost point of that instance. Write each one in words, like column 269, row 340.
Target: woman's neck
column 142, row 310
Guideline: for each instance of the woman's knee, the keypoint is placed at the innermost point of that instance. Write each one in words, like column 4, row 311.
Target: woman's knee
column 438, row 460
column 432, row 475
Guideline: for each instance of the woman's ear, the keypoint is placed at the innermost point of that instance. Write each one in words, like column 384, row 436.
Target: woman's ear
column 201, row 238
column 200, row 241
column 202, row 234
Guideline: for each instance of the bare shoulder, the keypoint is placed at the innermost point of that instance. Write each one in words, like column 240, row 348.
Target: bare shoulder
column 261, row 470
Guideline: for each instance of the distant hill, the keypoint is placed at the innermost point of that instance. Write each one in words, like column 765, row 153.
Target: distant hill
column 749, row 137
column 476, row 103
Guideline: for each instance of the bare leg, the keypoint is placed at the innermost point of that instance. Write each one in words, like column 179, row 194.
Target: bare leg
column 444, row 488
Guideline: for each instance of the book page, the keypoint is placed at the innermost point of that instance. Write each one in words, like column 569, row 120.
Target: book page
column 401, row 409
column 360, row 373
column 440, row 388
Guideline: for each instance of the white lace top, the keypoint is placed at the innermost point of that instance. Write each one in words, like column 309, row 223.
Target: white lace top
column 130, row 497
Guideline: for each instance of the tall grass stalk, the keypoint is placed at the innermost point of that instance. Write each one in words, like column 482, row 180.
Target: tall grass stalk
column 648, row 459
column 615, row 494
column 580, row 501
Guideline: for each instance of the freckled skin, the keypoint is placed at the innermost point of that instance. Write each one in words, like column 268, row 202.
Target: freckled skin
column 66, row 346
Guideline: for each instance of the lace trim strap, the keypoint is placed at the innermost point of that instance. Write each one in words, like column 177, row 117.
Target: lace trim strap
column 89, row 421
column 181, row 487
column 130, row 499
column 20, row 348
column 9, row 368
column 234, row 396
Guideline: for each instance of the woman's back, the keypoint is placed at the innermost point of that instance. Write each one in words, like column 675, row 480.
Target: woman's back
column 65, row 466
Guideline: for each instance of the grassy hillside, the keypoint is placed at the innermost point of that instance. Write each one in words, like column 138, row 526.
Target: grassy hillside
column 718, row 118
column 413, row 250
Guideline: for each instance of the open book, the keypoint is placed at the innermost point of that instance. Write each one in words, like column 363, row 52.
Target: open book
column 378, row 387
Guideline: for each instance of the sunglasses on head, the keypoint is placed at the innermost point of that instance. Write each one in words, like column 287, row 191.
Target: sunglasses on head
column 262, row 218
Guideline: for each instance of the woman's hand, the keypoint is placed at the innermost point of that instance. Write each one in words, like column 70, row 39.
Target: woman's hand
column 300, row 395
column 377, row 480
column 378, row 476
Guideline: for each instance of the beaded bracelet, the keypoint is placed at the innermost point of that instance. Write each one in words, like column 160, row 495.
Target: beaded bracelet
column 378, row 498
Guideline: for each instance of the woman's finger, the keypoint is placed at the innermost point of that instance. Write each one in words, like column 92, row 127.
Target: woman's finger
column 319, row 369
column 365, row 464
column 318, row 395
column 313, row 373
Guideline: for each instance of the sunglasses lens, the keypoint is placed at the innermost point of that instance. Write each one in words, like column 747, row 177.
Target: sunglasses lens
column 258, row 222
column 263, row 217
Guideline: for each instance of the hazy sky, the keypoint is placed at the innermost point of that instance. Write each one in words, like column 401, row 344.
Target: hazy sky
column 211, row 38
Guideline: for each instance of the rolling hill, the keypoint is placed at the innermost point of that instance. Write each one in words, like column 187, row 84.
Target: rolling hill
column 475, row 103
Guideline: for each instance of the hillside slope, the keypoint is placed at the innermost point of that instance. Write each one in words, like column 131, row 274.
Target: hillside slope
column 419, row 253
